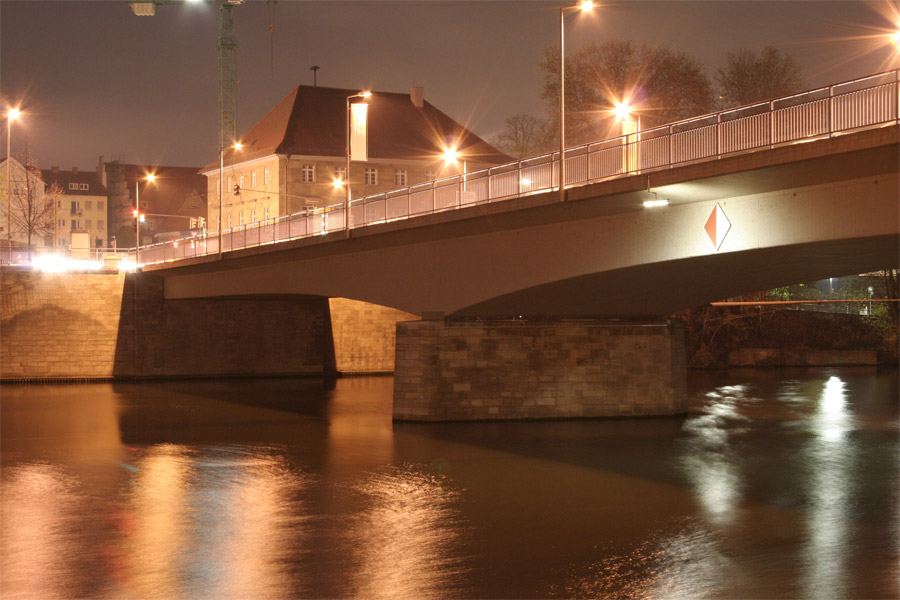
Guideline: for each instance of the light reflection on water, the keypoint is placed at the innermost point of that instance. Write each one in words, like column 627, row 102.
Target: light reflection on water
column 779, row 484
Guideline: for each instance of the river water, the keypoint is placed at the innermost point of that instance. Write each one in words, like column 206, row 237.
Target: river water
column 779, row 484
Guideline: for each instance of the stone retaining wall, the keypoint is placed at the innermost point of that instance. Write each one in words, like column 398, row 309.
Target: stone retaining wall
column 577, row 369
column 99, row 325
column 364, row 335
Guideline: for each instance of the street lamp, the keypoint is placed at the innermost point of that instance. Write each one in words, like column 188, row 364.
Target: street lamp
column 363, row 94
column 236, row 146
column 452, row 155
column 622, row 111
column 139, row 217
column 584, row 6
column 12, row 115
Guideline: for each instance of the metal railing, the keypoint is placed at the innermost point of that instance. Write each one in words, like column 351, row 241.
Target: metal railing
column 862, row 103
column 106, row 258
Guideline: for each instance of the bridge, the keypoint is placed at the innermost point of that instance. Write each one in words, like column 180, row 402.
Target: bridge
column 793, row 189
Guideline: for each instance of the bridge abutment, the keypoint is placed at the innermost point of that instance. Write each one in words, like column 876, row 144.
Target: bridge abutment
column 483, row 370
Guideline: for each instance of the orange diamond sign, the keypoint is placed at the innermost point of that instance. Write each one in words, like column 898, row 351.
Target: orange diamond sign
column 717, row 226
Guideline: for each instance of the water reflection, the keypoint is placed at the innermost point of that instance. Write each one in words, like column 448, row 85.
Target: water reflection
column 830, row 461
column 404, row 540
column 776, row 485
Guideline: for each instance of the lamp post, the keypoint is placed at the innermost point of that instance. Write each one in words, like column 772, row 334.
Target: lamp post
column 347, row 198
column 236, row 146
column 12, row 115
column 451, row 154
column 630, row 127
column 584, row 6
column 139, row 217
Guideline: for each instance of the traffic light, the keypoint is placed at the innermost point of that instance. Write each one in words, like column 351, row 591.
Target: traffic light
column 237, row 189
column 193, row 223
column 137, row 215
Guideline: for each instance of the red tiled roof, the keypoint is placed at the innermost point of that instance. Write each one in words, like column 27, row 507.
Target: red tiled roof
column 312, row 121
column 64, row 178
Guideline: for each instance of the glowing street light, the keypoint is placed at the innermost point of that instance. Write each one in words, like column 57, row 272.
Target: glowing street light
column 452, row 155
column 139, row 216
column 630, row 126
column 12, row 115
column 235, row 146
column 362, row 94
column 584, row 6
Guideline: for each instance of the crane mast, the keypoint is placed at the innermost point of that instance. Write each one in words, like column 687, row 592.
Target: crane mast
column 227, row 50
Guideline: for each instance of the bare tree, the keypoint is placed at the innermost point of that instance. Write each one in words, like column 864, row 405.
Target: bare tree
column 524, row 136
column 32, row 204
column 663, row 85
column 748, row 76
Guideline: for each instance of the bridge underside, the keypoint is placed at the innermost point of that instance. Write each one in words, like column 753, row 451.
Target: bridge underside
column 805, row 212
column 798, row 213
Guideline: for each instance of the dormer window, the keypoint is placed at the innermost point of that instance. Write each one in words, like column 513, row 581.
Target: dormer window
column 73, row 186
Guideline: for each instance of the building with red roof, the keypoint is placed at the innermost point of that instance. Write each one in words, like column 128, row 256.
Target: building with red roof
column 292, row 157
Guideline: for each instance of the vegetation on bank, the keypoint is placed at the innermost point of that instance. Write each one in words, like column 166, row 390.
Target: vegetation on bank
column 714, row 331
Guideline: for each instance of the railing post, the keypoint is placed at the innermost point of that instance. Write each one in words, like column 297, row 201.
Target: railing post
column 771, row 124
column 830, row 110
column 718, row 135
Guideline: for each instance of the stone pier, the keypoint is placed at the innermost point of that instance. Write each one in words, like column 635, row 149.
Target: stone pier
column 482, row 370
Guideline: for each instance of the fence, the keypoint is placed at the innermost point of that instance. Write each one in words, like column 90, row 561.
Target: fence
column 824, row 112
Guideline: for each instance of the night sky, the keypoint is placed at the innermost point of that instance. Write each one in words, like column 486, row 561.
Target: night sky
column 94, row 79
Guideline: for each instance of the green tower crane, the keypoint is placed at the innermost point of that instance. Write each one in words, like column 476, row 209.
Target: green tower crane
column 227, row 48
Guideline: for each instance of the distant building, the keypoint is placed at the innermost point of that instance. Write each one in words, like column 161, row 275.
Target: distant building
column 171, row 203
column 292, row 157
column 82, row 206
column 39, row 217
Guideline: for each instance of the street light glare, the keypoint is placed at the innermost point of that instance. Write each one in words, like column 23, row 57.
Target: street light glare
column 365, row 94
column 450, row 154
column 238, row 145
column 14, row 113
column 586, row 6
column 622, row 110
column 151, row 177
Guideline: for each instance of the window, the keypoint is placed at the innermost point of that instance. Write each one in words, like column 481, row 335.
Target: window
column 430, row 175
column 87, row 223
column 400, row 177
column 241, row 218
column 267, row 213
column 73, row 186
column 100, row 225
column 229, row 220
column 241, row 181
column 74, row 223
column 88, row 205
column 75, row 207
column 266, row 176
column 229, row 183
column 99, row 204
column 253, row 179
column 59, row 204
column 83, row 186
column 253, row 216
column 61, row 224
column 309, row 174
column 371, row 176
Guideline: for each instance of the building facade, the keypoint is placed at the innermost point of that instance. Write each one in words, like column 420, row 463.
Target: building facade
column 81, row 206
column 295, row 157
column 173, row 202
column 28, row 210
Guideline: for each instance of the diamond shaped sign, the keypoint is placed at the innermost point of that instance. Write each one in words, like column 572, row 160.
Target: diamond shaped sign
column 717, row 226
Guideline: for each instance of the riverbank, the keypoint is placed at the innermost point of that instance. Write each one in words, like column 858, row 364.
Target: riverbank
column 720, row 337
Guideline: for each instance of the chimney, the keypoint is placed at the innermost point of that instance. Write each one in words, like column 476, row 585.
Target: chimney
column 74, row 170
column 417, row 96
column 54, row 169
